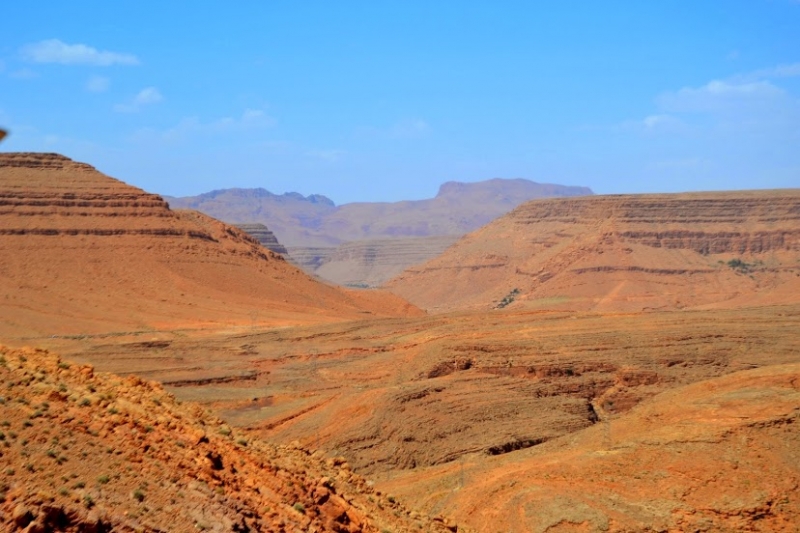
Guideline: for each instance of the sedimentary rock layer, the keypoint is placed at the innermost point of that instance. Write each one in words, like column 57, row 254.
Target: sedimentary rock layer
column 84, row 451
column 369, row 263
column 262, row 234
column 83, row 252
column 628, row 252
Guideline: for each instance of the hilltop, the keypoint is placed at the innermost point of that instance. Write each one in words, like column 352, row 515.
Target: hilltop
column 621, row 253
column 85, row 253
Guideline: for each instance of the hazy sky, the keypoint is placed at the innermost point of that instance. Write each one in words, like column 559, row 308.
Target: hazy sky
column 385, row 100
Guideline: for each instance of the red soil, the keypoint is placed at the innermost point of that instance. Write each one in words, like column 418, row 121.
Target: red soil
column 622, row 253
column 84, row 253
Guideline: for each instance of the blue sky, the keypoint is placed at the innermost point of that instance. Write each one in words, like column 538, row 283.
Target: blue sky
column 383, row 101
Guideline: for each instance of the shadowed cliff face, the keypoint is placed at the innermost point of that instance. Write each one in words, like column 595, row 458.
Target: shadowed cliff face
column 621, row 253
column 263, row 235
column 83, row 252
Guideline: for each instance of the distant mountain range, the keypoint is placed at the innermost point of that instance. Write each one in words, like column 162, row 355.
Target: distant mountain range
column 315, row 221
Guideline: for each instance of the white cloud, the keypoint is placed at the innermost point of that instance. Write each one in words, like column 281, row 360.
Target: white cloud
column 657, row 123
column 252, row 115
column 250, row 119
column 721, row 96
column 56, row 51
column 790, row 70
column 98, row 84
column 147, row 96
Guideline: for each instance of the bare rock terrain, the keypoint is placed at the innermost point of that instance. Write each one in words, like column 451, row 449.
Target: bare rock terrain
column 621, row 253
column 84, row 253
column 262, row 234
column 82, row 451
column 719, row 455
column 623, row 363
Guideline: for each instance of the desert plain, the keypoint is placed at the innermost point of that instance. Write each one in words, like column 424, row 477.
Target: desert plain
column 592, row 363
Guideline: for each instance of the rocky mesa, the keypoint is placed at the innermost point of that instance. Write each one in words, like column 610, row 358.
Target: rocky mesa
column 621, row 253
column 86, row 253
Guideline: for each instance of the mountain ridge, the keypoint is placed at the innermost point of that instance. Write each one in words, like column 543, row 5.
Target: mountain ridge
column 315, row 220
column 620, row 253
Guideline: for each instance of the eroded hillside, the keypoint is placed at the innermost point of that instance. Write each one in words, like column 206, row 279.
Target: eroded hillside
column 82, row 451
column 719, row 455
column 85, row 253
column 621, row 253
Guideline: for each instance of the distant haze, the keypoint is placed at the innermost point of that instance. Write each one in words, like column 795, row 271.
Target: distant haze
column 315, row 220
column 383, row 101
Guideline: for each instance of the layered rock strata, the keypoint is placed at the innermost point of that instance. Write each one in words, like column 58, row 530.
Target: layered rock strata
column 85, row 451
column 262, row 234
column 628, row 252
column 83, row 252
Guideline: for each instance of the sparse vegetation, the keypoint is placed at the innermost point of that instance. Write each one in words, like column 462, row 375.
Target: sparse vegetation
column 508, row 298
column 742, row 267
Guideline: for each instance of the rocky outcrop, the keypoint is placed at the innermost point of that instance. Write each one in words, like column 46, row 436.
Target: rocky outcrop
column 718, row 455
column 262, row 234
column 85, row 451
column 624, row 252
